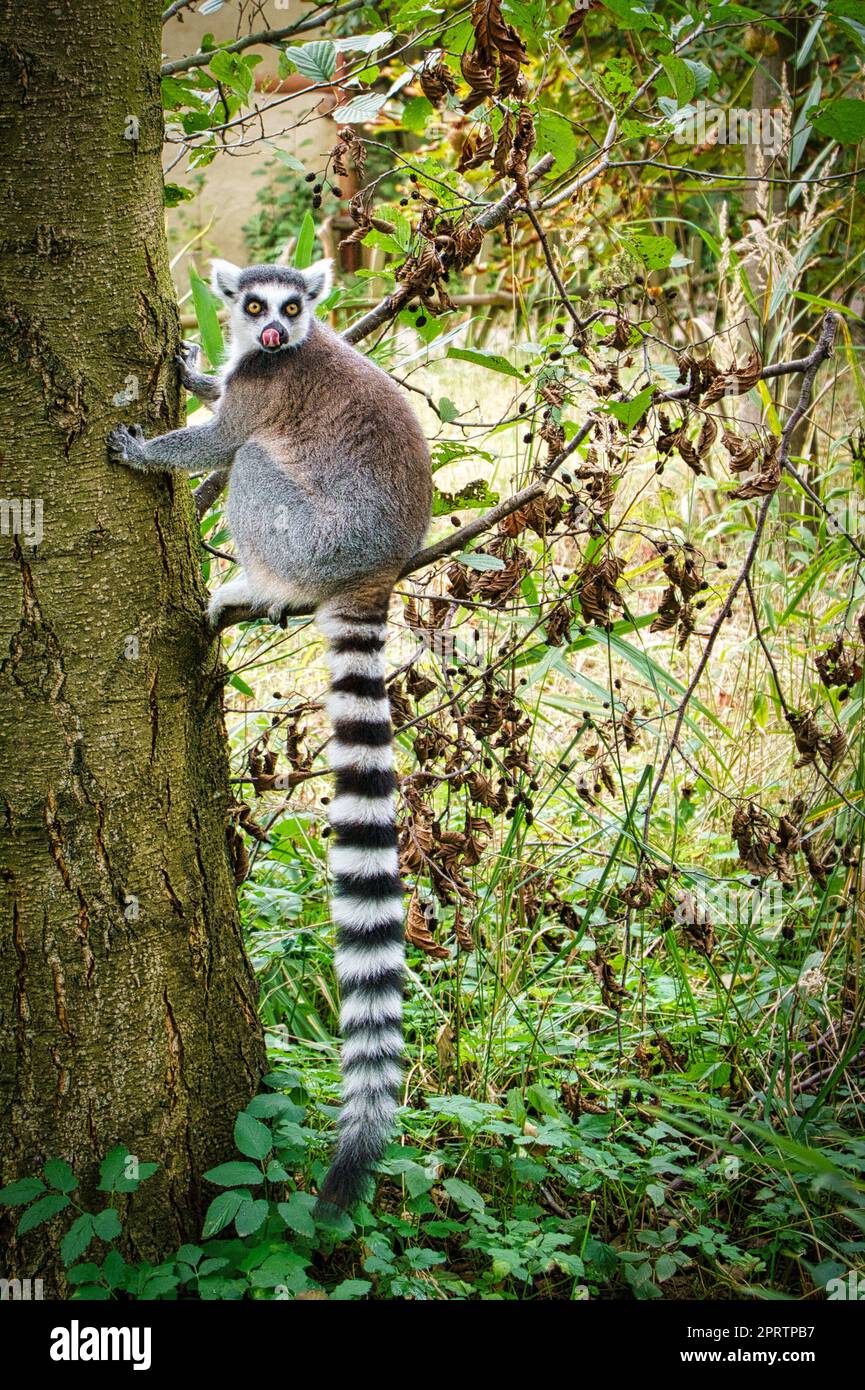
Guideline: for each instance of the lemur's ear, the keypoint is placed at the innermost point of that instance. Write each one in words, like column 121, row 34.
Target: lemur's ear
column 319, row 279
column 223, row 279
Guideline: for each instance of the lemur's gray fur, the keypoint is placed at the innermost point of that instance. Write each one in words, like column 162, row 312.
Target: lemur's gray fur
column 329, row 495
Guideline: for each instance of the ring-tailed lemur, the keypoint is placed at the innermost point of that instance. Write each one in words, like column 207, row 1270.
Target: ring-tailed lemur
column 329, row 495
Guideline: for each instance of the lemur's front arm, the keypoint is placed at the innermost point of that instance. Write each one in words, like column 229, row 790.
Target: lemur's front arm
column 196, row 449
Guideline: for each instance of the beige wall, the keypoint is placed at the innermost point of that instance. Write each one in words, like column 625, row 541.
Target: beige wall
column 218, row 213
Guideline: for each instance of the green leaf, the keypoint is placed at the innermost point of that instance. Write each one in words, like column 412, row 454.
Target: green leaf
column 206, row 306
column 682, row 79
column 631, row 16
column 469, row 1113
column 80, row 1274
column 291, row 161
column 447, row 410
column 297, row 1213
column 114, row 1268
column 493, row 361
column 305, row 242
column 60, row 1176
column 221, row 1211
column 350, row 1288
column 91, row 1293
column 173, row 194
column 115, row 1173
column 266, row 1107
column 363, row 108
column 314, row 60
column 189, row 1254
column 363, row 43
column 473, row 496
column 383, row 241
column 106, row 1224
column 417, row 1178
column 286, row 1268
column 235, row 1174
column 251, row 1214
column 77, row 1238
column 555, row 136
column 252, row 1137
column 466, row 1198
column 632, row 411
column 41, row 1211
column 112, row 1167
column 655, row 252
column 842, row 120
column 850, row 14
column 543, row 1100
column 24, row 1190
column 420, row 1258
column 665, row 1265
column 233, row 72
column 478, row 560
column 177, row 93
column 159, row 1284
column 416, row 114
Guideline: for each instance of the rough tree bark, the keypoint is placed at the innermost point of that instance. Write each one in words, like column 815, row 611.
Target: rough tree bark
column 127, row 1006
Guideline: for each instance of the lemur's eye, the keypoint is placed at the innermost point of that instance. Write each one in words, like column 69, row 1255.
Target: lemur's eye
column 253, row 307
column 290, row 309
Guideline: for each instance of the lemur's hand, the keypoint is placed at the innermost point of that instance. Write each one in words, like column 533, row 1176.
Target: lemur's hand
column 187, row 363
column 206, row 388
column 126, row 445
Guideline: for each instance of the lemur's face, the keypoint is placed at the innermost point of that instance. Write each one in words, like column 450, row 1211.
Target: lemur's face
column 272, row 306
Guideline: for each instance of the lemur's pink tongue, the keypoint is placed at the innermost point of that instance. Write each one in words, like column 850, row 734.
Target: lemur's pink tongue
column 270, row 338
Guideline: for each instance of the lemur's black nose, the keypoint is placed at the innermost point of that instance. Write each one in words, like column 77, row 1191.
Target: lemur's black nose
column 273, row 336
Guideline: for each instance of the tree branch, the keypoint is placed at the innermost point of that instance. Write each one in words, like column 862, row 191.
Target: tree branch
column 175, row 9
column 264, row 36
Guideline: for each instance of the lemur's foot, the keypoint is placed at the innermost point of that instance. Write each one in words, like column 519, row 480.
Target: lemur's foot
column 278, row 614
column 126, row 445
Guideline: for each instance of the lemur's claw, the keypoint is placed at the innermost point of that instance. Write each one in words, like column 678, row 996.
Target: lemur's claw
column 187, row 361
column 277, row 615
column 126, row 445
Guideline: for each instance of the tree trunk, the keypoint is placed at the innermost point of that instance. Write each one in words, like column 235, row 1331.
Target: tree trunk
column 127, row 1006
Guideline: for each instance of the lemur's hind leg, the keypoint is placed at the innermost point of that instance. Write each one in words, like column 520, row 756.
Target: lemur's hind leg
column 238, row 593
column 235, row 594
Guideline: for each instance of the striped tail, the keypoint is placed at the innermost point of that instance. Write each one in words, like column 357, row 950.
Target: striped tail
column 368, row 894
